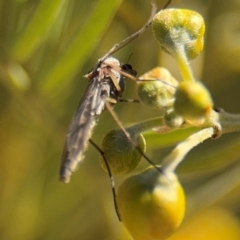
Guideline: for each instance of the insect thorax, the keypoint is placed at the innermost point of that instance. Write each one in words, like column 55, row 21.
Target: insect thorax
column 114, row 78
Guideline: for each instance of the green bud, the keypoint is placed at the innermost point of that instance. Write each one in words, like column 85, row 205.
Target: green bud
column 177, row 29
column 172, row 120
column 151, row 205
column 157, row 88
column 121, row 155
column 193, row 101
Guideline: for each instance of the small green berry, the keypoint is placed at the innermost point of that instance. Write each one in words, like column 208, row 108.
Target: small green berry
column 121, row 155
column 157, row 88
column 172, row 120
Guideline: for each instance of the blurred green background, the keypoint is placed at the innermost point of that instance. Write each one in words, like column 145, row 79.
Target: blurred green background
column 45, row 49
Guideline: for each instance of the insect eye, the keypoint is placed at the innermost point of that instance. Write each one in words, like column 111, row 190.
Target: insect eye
column 128, row 68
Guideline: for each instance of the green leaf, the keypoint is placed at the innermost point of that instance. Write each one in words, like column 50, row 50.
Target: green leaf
column 35, row 31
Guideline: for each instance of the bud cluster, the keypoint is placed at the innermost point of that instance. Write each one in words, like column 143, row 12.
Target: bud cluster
column 152, row 203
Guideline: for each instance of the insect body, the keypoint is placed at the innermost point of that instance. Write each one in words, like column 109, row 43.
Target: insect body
column 105, row 84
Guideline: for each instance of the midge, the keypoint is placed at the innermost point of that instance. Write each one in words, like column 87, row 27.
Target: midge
column 106, row 85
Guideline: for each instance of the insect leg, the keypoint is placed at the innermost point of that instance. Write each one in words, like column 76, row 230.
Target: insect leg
column 129, row 100
column 108, row 107
column 110, row 176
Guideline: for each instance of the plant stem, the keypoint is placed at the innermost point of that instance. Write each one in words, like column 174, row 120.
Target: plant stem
column 180, row 151
column 146, row 125
column 229, row 122
column 183, row 64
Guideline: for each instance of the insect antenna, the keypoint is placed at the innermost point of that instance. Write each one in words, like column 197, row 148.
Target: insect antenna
column 129, row 58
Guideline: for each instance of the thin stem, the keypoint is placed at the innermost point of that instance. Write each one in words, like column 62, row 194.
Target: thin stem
column 129, row 39
column 183, row 64
column 147, row 125
column 180, row 151
column 229, row 122
column 159, row 123
column 137, row 34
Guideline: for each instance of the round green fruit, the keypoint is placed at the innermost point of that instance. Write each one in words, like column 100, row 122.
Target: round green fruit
column 151, row 205
column 120, row 153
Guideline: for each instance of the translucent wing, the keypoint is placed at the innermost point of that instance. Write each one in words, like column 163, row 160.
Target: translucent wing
column 105, row 83
column 83, row 122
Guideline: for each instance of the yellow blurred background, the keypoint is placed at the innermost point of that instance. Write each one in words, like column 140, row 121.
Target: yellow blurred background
column 45, row 49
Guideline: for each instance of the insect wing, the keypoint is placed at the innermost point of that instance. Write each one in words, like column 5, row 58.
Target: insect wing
column 80, row 130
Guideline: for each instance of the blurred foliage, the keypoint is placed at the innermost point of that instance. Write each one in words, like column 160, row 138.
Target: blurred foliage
column 45, row 49
column 214, row 224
